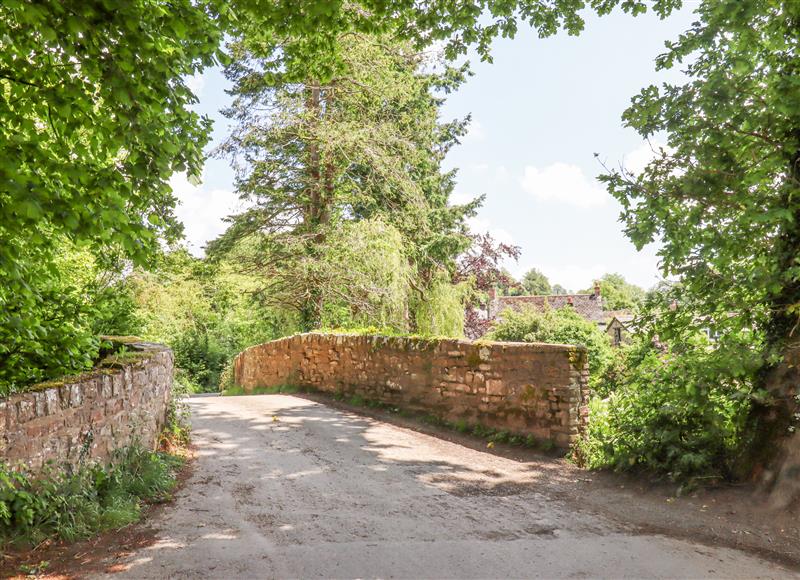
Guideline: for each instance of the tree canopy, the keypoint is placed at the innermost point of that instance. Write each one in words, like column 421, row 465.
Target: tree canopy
column 535, row 282
column 618, row 293
column 315, row 158
column 94, row 120
column 723, row 192
column 459, row 26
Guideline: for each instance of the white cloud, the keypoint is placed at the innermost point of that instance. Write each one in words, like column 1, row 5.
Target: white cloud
column 202, row 211
column 635, row 161
column 479, row 226
column 564, row 183
column 461, row 198
column 475, row 133
column 196, row 82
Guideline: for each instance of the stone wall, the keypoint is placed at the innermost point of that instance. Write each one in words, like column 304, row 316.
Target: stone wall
column 92, row 414
column 537, row 389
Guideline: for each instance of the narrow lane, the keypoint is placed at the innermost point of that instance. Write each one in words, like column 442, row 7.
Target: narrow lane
column 284, row 487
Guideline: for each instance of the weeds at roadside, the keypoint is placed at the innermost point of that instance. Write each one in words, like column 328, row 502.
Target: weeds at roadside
column 73, row 502
column 81, row 502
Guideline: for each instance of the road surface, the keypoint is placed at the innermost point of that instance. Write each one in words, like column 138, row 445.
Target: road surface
column 284, row 487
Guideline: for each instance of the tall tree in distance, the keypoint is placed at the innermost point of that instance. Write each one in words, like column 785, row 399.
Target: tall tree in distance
column 536, row 283
column 618, row 293
column 312, row 157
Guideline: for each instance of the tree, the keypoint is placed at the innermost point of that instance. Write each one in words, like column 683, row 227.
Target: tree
column 618, row 293
column 536, row 283
column 312, row 158
column 480, row 267
column 321, row 24
column 205, row 312
column 558, row 289
column 94, row 119
column 724, row 193
column 507, row 285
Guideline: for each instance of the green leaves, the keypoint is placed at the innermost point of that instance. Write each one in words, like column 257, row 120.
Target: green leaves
column 93, row 122
column 357, row 157
column 725, row 195
column 677, row 412
column 562, row 326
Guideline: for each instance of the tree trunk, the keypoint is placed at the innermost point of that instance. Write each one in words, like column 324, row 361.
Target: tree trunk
column 311, row 307
column 314, row 194
column 775, row 453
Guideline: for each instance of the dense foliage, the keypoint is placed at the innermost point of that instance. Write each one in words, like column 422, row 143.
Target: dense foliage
column 85, row 501
column 458, row 25
column 723, row 194
column 94, row 120
column 205, row 312
column 55, row 330
column 676, row 411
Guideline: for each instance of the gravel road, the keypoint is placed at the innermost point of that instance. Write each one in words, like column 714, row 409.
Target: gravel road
column 284, row 487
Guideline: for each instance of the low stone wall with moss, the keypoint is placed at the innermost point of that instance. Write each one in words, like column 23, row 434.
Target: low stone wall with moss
column 529, row 389
column 90, row 415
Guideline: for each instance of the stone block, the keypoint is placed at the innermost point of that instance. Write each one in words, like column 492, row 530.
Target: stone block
column 52, row 401
column 495, row 387
column 26, row 410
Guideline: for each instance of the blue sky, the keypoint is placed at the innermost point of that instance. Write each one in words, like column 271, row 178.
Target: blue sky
column 540, row 112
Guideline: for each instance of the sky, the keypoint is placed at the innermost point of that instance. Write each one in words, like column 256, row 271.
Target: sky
column 540, row 112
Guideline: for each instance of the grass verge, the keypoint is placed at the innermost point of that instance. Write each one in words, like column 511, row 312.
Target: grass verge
column 84, row 501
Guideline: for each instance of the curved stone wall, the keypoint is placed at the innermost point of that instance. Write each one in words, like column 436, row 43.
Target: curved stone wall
column 91, row 415
column 537, row 389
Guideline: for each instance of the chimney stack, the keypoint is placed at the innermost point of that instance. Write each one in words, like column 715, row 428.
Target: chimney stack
column 597, row 287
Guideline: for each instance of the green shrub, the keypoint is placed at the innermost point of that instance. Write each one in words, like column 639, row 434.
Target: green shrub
column 562, row 326
column 53, row 310
column 679, row 412
column 226, row 378
column 80, row 503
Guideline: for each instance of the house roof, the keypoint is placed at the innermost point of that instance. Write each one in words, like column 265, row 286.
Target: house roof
column 590, row 306
column 624, row 316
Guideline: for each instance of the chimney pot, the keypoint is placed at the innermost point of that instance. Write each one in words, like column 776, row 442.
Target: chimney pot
column 597, row 288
